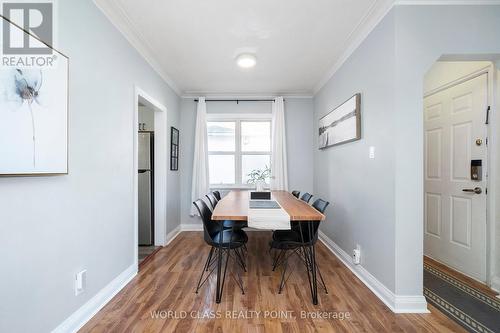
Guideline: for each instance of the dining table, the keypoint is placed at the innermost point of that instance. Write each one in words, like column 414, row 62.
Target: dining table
column 235, row 207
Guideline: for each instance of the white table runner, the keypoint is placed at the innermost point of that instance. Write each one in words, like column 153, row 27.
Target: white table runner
column 268, row 219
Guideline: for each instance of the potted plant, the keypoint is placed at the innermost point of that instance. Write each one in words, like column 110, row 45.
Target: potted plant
column 259, row 178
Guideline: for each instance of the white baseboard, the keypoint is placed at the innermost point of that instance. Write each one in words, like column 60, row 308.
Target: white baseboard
column 173, row 234
column 397, row 303
column 81, row 316
column 495, row 284
column 192, row 227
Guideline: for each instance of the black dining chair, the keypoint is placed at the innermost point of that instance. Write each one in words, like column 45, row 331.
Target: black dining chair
column 296, row 194
column 306, row 197
column 222, row 242
column 212, row 199
column 228, row 224
column 217, row 195
column 300, row 241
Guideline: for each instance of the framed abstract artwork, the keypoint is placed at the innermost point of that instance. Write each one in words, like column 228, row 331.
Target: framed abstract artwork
column 341, row 125
column 33, row 114
column 174, row 149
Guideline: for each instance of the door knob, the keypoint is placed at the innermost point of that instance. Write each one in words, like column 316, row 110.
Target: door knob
column 476, row 190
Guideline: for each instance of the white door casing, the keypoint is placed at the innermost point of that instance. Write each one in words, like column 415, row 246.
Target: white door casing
column 455, row 221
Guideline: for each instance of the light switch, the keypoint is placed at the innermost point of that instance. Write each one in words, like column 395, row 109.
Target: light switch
column 372, row 152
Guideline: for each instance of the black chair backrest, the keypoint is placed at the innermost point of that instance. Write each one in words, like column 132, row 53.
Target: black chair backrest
column 320, row 205
column 217, row 195
column 213, row 200
column 306, row 197
column 296, row 194
column 309, row 230
column 210, row 227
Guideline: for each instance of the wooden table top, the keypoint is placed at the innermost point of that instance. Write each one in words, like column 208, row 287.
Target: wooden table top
column 234, row 206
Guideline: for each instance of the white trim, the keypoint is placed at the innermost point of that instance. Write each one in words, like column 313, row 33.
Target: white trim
column 465, row 78
column 373, row 17
column 173, row 234
column 397, row 303
column 119, row 18
column 160, row 179
column 81, row 316
column 495, row 284
column 368, row 22
column 445, row 2
column 192, row 227
column 491, row 166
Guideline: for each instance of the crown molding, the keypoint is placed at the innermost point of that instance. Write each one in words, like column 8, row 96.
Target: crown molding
column 119, row 18
column 377, row 11
column 373, row 17
column 446, row 2
column 365, row 26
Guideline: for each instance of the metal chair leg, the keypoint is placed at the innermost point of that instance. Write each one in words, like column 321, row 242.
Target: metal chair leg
column 277, row 259
column 240, row 259
column 283, row 274
column 205, row 268
column 321, row 278
column 209, row 259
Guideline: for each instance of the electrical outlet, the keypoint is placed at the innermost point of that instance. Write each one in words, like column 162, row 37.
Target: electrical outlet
column 356, row 255
column 80, row 282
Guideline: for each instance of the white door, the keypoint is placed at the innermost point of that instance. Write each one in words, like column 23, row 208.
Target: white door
column 455, row 220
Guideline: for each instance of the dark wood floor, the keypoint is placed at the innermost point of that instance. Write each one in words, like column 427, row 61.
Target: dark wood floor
column 167, row 283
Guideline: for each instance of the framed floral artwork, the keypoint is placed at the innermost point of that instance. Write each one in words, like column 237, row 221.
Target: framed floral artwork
column 34, row 114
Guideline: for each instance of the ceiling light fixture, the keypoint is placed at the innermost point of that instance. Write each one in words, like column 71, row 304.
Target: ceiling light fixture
column 246, row 60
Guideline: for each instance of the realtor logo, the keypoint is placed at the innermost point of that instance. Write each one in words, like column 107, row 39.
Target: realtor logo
column 28, row 33
column 36, row 19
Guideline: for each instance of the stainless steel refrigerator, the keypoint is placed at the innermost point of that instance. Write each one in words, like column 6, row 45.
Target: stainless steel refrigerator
column 146, row 181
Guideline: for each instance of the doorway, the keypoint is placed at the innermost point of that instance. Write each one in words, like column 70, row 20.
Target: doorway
column 150, row 176
column 458, row 252
column 456, row 169
column 146, row 177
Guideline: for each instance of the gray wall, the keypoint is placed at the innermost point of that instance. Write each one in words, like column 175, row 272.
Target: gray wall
column 382, row 199
column 52, row 227
column 361, row 190
column 299, row 129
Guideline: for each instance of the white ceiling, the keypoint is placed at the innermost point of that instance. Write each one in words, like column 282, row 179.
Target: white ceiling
column 193, row 43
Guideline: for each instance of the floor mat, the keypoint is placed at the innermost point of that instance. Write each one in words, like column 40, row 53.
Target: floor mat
column 468, row 306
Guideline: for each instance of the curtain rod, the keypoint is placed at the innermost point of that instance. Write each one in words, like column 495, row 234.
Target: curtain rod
column 236, row 100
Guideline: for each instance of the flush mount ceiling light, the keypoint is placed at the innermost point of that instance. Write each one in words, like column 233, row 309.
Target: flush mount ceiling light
column 246, row 60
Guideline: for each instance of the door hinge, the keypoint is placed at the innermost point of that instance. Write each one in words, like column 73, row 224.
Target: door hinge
column 486, row 190
column 488, row 115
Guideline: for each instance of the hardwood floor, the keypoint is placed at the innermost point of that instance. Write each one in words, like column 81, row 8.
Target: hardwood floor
column 168, row 281
column 146, row 253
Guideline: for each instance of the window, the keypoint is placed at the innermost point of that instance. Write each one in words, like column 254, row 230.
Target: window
column 236, row 147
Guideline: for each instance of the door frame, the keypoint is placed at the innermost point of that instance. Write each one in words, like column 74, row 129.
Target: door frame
column 492, row 155
column 160, row 167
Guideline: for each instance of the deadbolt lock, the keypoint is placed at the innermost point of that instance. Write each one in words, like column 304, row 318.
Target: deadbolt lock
column 479, row 142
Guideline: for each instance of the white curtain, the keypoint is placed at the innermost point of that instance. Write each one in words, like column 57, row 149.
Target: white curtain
column 279, row 173
column 200, row 183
